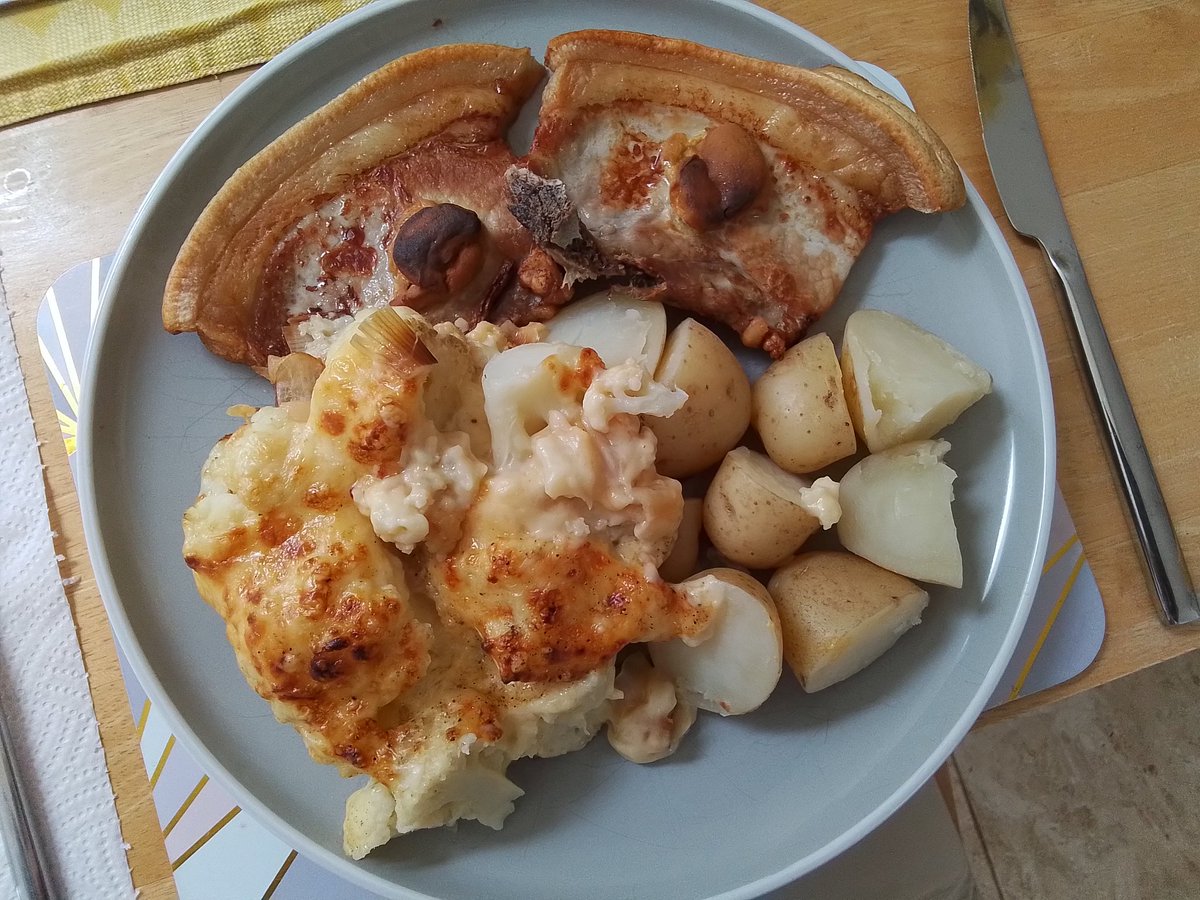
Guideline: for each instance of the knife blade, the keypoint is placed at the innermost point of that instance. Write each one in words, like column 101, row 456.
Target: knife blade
column 1033, row 205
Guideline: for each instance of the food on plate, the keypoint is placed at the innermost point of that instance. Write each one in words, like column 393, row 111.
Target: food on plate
column 735, row 670
column 896, row 512
column 903, row 383
column 574, row 468
column 731, row 187
column 618, row 326
column 728, row 186
column 839, row 613
column 717, row 410
column 799, row 408
column 681, row 563
column 462, row 511
column 425, row 606
column 391, row 193
column 758, row 515
column 293, row 376
column 648, row 720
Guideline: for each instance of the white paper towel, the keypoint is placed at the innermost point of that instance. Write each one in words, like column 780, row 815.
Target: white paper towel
column 45, row 687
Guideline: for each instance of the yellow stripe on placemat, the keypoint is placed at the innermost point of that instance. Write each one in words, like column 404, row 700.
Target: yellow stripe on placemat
column 185, row 806
column 1060, row 553
column 143, row 718
column 70, row 52
column 162, row 762
column 274, row 885
column 1037, row 647
column 69, row 428
column 205, row 838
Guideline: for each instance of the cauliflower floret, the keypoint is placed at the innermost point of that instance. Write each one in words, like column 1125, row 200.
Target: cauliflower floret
column 438, row 479
column 451, row 778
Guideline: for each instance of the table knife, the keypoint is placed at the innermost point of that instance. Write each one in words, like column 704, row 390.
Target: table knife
column 1032, row 203
column 21, row 841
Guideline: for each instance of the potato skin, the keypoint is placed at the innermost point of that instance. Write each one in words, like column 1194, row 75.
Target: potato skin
column 839, row 613
column 681, row 562
column 717, row 411
column 799, row 408
column 747, row 522
column 854, row 399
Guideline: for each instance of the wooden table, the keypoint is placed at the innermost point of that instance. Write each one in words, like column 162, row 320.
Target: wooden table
column 1116, row 85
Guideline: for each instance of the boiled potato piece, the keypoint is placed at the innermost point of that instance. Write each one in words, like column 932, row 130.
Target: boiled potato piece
column 896, row 512
column 758, row 515
column 903, row 383
column 682, row 561
column 617, row 326
column 737, row 666
column 646, row 723
column 839, row 613
column 717, row 411
column 799, row 408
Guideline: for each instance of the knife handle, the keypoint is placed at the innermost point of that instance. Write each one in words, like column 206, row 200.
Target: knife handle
column 1159, row 544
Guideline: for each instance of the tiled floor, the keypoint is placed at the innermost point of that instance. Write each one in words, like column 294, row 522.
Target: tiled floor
column 1095, row 797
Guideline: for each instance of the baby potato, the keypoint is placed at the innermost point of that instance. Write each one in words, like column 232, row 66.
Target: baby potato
column 903, row 383
column 717, row 411
column 758, row 515
column 896, row 512
column 682, row 560
column 617, row 326
column 839, row 613
column 799, row 409
column 737, row 666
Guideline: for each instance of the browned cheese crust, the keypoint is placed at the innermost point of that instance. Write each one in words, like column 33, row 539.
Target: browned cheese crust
column 311, row 220
column 745, row 189
column 548, row 612
column 372, row 655
column 315, row 605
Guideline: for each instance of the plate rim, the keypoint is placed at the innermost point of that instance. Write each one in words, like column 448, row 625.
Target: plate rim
column 341, row 865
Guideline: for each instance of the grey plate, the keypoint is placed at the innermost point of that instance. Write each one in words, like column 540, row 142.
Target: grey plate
column 747, row 804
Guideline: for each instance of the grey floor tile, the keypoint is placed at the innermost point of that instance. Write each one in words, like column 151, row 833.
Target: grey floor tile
column 1097, row 796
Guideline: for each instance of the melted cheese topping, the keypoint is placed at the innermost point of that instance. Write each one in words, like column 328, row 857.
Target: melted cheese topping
column 459, row 774
column 523, row 475
column 557, row 568
column 318, row 334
